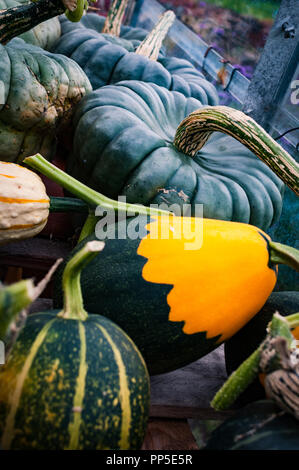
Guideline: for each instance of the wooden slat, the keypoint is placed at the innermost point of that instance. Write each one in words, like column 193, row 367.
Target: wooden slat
column 169, row 435
column 187, row 412
column 34, row 253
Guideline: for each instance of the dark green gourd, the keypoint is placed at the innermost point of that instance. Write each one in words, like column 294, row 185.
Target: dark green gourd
column 73, row 380
column 124, row 145
column 261, row 425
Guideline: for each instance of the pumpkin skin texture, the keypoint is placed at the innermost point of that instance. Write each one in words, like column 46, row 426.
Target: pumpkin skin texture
column 178, row 304
column 106, row 63
column 129, row 37
column 40, row 91
column 72, row 384
column 123, row 145
column 24, row 203
column 257, row 426
column 44, row 35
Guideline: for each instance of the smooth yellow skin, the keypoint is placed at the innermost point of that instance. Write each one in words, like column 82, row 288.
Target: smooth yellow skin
column 217, row 287
column 24, row 204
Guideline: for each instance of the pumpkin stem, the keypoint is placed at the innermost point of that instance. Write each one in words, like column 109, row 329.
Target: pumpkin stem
column 151, row 45
column 242, row 377
column 67, row 204
column 115, row 17
column 83, row 192
column 74, row 9
column 88, row 227
column 195, row 130
column 73, row 302
column 283, row 254
column 13, row 299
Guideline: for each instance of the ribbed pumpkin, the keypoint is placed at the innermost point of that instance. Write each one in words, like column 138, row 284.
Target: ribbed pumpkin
column 43, row 35
column 24, row 204
column 73, row 380
column 124, row 145
column 91, row 25
column 38, row 93
column 106, row 63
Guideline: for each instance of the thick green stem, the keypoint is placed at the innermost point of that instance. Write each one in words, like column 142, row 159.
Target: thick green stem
column 151, row 45
column 74, row 14
column 115, row 17
column 67, row 204
column 241, row 378
column 17, row 20
column 283, row 254
column 195, row 130
column 13, row 299
column 73, row 308
column 80, row 190
column 88, row 227
column 293, row 320
column 237, row 382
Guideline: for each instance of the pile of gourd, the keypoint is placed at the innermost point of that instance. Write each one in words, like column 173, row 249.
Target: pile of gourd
column 172, row 282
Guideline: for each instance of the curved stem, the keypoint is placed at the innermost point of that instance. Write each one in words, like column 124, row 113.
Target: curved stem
column 249, row 369
column 80, row 190
column 194, row 131
column 73, row 302
column 237, row 382
column 283, row 254
column 151, row 45
column 67, row 204
column 13, row 299
column 115, row 17
column 88, row 227
column 17, row 20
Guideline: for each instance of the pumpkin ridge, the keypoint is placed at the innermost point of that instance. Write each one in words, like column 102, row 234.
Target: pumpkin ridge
column 133, row 169
column 124, row 392
column 75, row 423
column 7, row 436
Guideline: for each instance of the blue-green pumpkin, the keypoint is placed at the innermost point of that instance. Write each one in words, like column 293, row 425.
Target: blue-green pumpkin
column 39, row 92
column 109, row 59
column 91, row 25
column 73, row 380
column 124, row 145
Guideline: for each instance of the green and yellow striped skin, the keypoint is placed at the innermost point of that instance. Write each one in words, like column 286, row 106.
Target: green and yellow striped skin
column 72, row 384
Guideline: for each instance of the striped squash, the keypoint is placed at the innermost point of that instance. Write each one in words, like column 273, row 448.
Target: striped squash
column 24, row 204
column 73, row 381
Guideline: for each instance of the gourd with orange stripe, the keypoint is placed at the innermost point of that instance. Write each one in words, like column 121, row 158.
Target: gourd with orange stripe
column 179, row 286
column 25, row 205
column 73, row 380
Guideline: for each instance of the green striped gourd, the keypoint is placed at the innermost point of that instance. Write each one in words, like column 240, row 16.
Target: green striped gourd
column 73, row 380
